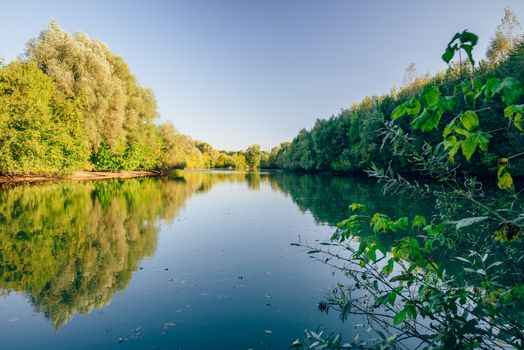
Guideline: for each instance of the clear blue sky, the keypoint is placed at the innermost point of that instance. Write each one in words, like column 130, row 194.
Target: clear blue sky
column 234, row 73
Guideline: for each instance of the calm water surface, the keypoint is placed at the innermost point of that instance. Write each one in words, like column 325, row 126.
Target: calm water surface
column 199, row 261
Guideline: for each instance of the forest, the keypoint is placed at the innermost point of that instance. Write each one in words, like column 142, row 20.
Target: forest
column 353, row 140
column 71, row 104
column 463, row 129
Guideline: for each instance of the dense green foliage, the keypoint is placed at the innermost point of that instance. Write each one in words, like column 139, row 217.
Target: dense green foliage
column 40, row 128
column 75, row 105
column 411, row 297
column 352, row 140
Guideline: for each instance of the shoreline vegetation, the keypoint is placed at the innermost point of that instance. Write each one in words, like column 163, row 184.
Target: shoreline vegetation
column 70, row 104
column 77, row 176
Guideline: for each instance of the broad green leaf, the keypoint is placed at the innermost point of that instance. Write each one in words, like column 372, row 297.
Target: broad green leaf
column 490, row 86
column 469, row 119
column 392, row 298
column 427, row 120
column 462, row 132
column 469, row 146
column 468, row 49
column 399, row 318
column 430, row 95
column 412, row 107
column 482, row 139
column 388, row 268
column 466, row 37
column 419, row 221
column 510, row 89
column 514, row 113
column 399, row 111
column 402, row 222
column 381, row 222
column 448, row 103
column 449, row 53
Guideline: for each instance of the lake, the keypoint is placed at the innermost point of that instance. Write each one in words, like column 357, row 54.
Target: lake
column 200, row 260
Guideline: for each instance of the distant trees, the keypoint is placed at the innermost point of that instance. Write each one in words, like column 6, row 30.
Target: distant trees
column 352, row 140
column 253, row 156
column 505, row 39
column 73, row 104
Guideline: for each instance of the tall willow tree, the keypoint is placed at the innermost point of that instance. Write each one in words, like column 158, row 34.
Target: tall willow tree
column 116, row 108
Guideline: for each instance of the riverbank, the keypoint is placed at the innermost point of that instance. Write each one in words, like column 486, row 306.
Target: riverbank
column 81, row 175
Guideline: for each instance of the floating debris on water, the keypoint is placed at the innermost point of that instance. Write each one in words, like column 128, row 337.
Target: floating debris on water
column 168, row 325
column 134, row 334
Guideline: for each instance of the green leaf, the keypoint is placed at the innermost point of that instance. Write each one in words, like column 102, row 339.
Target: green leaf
column 430, row 95
column 517, row 292
column 452, row 145
column 469, row 119
column 468, row 49
column 469, row 146
column 427, row 120
column 381, row 222
column 392, row 297
column 483, row 139
column 412, row 107
column 402, row 278
column 419, row 221
column 449, row 53
column 399, row 318
column 466, row 37
column 399, row 111
column 402, row 222
column 357, row 207
column 490, row 86
column 510, row 89
column 448, row 103
column 388, row 268
column 462, row 132
column 346, row 311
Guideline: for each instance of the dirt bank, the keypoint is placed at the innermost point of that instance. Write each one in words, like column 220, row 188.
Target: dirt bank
column 81, row 175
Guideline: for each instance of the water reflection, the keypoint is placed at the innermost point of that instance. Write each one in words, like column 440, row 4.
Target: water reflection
column 71, row 246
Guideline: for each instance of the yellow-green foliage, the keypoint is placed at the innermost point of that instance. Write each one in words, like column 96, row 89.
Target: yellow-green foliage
column 40, row 129
column 75, row 105
column 71, row 246
column 119, row 113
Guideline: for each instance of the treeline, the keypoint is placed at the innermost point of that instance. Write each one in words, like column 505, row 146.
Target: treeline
column 71, row 104
column 352, row 140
